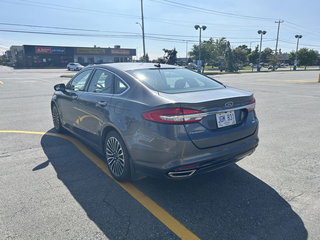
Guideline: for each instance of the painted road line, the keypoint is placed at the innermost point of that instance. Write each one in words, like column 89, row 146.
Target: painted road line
column 285, row 80
column 162, row 215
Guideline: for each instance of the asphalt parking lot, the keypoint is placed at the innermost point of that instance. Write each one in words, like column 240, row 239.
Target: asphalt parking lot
column 53, row 187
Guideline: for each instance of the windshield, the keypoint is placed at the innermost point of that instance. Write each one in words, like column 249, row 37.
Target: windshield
column 174, row 80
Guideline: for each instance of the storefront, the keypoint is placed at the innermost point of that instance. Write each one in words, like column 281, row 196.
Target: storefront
column 87, row 56
column 58, row 56
column 47, row 56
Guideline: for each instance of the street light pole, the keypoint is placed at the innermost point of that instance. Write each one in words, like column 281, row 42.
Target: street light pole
column 199, row 59
column 261, row 34
column 296, row 59
column 142, row 27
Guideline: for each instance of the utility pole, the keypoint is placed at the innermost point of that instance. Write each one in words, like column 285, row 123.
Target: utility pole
column 279, row 22
column 142, row 21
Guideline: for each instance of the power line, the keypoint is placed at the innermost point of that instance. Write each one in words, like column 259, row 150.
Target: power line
column 68, row 8
column 136, row 36
column 153, row 19
column 115, row 13
column 133, row 36
column 99, row 30
column 210, row 11
column 302, row 29
column 307, row 45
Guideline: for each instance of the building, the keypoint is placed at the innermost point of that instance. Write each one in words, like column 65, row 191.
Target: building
column 59, row 56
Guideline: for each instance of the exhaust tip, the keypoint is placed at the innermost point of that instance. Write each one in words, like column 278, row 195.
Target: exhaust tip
column 181, row 174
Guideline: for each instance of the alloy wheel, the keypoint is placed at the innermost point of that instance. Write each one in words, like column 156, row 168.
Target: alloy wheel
column 115, row 156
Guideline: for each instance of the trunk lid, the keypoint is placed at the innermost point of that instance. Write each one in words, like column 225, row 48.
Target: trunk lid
column 207, row 133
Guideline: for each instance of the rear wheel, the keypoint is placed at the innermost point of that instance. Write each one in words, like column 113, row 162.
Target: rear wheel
column 56, row 119
column 117, row 156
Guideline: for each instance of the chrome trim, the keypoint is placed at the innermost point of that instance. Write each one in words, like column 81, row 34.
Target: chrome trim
column 187, row 173
column 229, row 109
column 198, row 116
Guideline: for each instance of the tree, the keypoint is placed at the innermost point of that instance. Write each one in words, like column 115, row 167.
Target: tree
column 266, row 54
column 306, row 57
column 170, row 56
column 240, row 54
column 146, row 58
column 292, row 57
column 254, row 56
column 4, row 60
column 272, row 60
column 229, row 59
column 207, row 51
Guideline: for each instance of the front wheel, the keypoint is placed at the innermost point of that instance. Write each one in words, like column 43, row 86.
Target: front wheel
column 56, row 119
column 117, row 156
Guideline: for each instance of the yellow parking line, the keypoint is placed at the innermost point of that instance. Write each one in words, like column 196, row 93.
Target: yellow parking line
column 285, row 80
column 162, row 215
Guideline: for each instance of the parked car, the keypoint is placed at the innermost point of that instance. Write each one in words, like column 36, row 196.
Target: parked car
column 273, row 67
column 156, row 119
column 74, row 66
column 192, row 66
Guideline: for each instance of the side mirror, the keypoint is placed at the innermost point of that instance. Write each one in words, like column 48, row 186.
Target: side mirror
column 60, row 87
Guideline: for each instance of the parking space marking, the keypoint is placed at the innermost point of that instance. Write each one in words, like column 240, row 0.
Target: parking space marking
column 161, row 214
column 285, row 80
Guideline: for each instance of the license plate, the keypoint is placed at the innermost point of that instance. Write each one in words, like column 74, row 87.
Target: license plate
column 225, row 119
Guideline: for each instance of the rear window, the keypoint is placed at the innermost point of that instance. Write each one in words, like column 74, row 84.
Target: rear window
column 174, row 80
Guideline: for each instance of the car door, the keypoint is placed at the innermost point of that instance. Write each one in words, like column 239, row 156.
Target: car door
column 96, row 105
column 68, row 101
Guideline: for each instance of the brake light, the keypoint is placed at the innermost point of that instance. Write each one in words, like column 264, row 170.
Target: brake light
column 252, row 105
column 174, row 115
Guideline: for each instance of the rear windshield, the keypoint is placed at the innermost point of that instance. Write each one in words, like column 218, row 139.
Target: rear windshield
column 174, row 80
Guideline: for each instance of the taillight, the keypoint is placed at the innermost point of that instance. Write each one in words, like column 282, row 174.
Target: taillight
column 251, row 105
column 174, row 115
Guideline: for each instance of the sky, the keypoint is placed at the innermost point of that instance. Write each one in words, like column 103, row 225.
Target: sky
column 168, row 23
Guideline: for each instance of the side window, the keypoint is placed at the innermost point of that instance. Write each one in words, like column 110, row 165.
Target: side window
column 78, row 83
column 102, row 82
column 119, row 86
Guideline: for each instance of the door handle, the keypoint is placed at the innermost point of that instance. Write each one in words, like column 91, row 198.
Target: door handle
column 102, row 103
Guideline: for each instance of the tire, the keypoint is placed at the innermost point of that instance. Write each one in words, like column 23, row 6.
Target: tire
column 56, row 119
column 68, row 69
column 117, row 157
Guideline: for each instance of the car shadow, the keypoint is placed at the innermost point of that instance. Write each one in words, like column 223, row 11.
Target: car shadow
column 229, row 203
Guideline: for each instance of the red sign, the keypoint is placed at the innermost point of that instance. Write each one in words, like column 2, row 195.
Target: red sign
column 43, row 50
column 120, row 51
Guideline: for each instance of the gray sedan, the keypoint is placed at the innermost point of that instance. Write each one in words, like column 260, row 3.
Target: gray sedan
column 156, row 120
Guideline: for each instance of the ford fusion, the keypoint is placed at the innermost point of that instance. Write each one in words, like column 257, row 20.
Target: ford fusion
column 156, row 120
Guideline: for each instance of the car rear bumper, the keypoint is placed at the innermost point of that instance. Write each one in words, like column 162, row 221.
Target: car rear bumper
column 202, row 160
